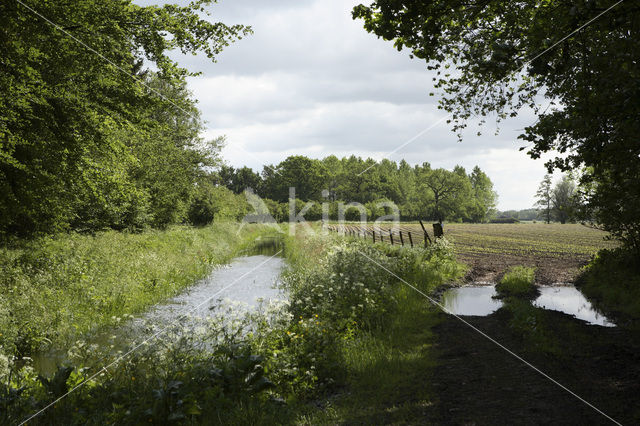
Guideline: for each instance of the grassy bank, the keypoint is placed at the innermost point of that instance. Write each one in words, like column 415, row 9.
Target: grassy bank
column 350, row 334
column 612, row 282
column 381, row 356
column 518, row 281
column 58, row 287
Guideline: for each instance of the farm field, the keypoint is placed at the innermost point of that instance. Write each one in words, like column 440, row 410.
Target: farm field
column 556, row 251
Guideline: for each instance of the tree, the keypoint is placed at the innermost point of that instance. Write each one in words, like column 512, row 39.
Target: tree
column 545, row 196
column 448, row 190
column 497, row 56
column 564, row 199
column 484, row 197
column 307, row 176
column 63, row 109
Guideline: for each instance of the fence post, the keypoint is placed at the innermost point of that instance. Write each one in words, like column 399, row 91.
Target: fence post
column 381, row 237
column 391, row 236
column 437, row 230
column 401, row 239
column 373, row 234
column 410, row 239
column 426, row 234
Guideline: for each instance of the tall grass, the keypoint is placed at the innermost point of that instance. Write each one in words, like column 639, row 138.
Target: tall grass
column 380, row 330
column 349, row 324
column 54, row 288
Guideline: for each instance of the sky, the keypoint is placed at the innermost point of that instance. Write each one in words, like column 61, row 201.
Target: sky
column 311, row 81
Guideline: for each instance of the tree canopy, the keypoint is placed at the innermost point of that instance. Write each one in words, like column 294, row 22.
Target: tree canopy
column 496, row 57
column 96, row 126
column 420, row 192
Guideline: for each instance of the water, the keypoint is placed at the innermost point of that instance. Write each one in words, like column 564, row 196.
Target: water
column 245, row 282
column 479, row 301
column 471, row 300
column 570, row 301
column 239, row 287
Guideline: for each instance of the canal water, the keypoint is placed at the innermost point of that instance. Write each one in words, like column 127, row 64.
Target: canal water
column 229, row 292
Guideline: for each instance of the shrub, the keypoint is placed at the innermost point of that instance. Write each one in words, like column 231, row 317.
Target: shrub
column 517, row 282
column 215, row 203
column 612, row 282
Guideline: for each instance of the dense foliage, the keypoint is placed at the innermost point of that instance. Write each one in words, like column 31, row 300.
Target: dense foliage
column 90, row 136
column 419, row 192
column 57, row 287
column 495, row 57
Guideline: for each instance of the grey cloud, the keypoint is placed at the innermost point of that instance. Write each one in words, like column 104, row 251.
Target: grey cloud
column 311, row 81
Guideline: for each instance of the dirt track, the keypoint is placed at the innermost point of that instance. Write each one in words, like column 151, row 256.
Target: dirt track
column 479, row 383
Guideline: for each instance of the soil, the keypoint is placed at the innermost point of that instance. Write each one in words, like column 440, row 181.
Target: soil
column 479, row 383
column 490, row 267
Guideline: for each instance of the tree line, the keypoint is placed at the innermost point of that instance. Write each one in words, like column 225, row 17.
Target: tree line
column 419, row 192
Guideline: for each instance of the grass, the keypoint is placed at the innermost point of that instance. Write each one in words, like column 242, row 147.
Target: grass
column 60, row 287
column 386, row 365
column 517, row 282
column 388, row 370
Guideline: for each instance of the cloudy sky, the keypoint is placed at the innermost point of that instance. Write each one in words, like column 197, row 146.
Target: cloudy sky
column 311, row 81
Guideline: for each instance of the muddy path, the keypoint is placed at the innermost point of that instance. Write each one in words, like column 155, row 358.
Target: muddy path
column 478, row 383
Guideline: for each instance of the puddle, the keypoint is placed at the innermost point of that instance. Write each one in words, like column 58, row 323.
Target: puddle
column 471, row 300
column 479, row 301
column 570, row 301
column 240, row 286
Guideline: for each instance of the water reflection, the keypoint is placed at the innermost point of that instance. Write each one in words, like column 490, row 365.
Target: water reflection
column 479, row 301
column 471, row 300
column 570, row 301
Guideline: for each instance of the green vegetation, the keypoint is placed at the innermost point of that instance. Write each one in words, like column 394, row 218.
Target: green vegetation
column 271, row 365
column 419, row 192
column 56, row 288
column 612, row 282
column 518, row 281
column 90, row 143
column 560, row 202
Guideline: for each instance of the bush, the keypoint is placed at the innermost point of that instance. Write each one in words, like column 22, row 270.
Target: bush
column 517, row 282
column 612, row 282
column 215, row 203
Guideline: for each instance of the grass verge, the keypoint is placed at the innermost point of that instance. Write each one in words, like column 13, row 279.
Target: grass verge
column 350, row 334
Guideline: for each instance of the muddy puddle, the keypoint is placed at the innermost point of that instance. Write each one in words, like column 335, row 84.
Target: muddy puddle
column 478, row 300
column 228, row 293
column 471, row 300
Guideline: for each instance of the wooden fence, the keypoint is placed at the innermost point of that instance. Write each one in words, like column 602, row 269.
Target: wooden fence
column 378, row 233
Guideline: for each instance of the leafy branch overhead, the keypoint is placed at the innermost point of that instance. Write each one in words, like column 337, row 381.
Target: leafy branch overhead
column 495, row 57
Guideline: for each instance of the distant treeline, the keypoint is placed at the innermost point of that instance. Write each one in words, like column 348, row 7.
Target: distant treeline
column 509, row 216
column 419, row 192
